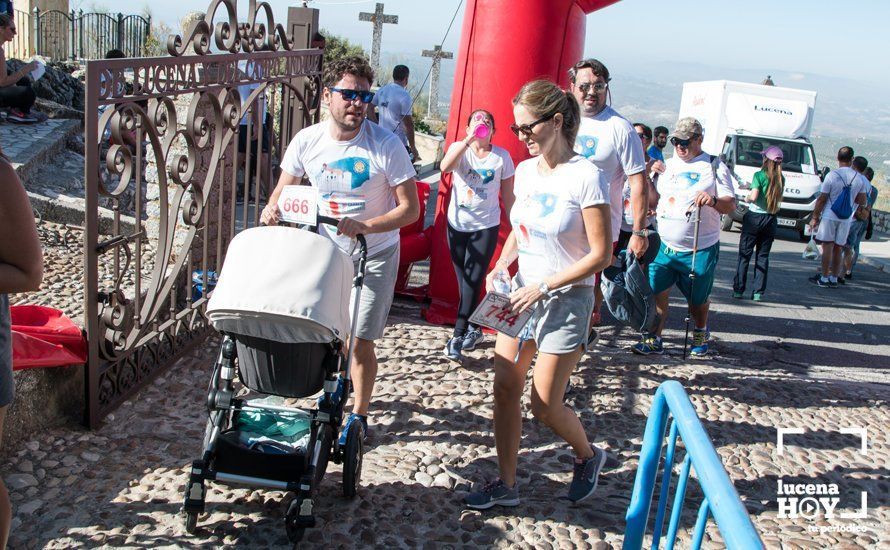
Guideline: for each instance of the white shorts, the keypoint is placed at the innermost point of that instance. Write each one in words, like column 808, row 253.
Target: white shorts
column 833, row 231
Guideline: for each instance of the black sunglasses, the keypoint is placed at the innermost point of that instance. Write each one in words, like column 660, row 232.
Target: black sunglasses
column 528, row 129
column 684, row 143
column 350, row 95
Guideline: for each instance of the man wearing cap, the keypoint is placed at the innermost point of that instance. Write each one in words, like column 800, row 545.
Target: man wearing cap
column 692, row 181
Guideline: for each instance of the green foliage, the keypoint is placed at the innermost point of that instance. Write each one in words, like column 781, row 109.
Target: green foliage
column 337, row 47
column 421, row 126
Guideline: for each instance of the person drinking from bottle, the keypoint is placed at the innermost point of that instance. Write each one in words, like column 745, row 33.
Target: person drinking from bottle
column 760, row 223
column 561, row 235
column 694, row 190
column 482, row 176
column 365, row 179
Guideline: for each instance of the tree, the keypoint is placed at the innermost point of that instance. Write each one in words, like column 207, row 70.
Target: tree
column 337, row 47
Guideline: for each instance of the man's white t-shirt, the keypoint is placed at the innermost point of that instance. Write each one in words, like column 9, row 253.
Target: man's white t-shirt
column 610, row 142
column 394, row 103
column 833, row 185
column 354, row 178
column 546, row 217
column 476, row 188
column 678, row 186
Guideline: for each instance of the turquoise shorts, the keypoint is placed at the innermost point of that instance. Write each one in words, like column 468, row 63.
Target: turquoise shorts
column 672, row 267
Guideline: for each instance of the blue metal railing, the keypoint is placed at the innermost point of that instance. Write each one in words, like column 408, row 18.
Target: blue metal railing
column 720, row 497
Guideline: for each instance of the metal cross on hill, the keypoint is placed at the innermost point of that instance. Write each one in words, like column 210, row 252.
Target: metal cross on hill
column 432, row 111
column 378, row 18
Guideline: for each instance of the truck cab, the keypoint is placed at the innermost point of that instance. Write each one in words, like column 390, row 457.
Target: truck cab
column 742, row 153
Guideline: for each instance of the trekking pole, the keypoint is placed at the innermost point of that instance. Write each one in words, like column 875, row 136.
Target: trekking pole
column 691, row 274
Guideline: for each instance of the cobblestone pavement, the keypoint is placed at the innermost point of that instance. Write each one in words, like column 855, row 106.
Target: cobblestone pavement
column 121, row 486
column 22, row 142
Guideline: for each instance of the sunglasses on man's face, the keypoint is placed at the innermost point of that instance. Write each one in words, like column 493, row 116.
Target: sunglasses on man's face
column 642, row 136
column 527, row 130
column 684, row 143
column 598, row 87
column 350, row 95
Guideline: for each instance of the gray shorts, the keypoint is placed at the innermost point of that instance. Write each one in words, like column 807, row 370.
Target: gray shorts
column 560, row 324
column 377, row 293
column 7, row 386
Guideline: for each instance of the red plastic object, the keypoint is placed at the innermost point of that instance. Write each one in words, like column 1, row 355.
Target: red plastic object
column 545, row 39
column 415, row 247
column 44, row 337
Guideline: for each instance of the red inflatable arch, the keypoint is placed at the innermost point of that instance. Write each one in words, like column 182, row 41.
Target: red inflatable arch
column 504, row 44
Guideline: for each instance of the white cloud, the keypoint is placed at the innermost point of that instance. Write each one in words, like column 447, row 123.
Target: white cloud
column 796, row 76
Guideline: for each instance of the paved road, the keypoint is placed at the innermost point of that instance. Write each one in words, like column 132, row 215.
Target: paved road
column 843, row 332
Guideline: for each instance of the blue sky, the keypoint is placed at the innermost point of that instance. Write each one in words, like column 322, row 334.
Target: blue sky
column 787, row 37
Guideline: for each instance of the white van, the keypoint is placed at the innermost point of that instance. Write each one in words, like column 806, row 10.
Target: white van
column 742, row 120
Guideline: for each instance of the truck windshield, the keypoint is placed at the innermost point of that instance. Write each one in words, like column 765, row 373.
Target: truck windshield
column 798, row 156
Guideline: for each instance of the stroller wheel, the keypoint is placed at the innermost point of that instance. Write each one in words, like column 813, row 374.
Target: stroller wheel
column 191, row 522
column 326, row 439
column 352, row 459
column 294, row 532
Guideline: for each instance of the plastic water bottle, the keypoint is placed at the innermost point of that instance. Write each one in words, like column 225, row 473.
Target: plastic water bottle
column 501, row 282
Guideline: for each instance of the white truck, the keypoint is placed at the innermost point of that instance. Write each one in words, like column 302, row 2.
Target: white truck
column 741, row 120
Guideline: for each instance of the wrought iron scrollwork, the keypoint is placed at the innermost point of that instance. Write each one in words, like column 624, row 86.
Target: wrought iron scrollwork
column 229, row 35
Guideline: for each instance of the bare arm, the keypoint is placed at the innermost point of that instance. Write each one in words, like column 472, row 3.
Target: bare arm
column 271, row 214
column 507, row 194
column 753, row 195
column 21, row 258
column 11, row 79
column 406, row 211
column 452, row 157
column 818, row 208
column 409, row 132
column 639, row 199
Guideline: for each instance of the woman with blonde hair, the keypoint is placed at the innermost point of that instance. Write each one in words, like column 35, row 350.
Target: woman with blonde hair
column 759, row 224
column 561, row 235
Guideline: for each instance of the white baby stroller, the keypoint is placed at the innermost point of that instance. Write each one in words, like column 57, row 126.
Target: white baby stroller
column 281, row 305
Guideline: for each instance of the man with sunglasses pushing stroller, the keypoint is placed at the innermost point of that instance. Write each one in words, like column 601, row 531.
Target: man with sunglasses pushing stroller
column 366, row 180
column 694, row 190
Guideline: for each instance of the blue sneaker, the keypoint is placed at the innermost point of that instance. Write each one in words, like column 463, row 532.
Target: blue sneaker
column 471, row 338
column 352, row 418
column 453, row 349
column 586, row 475
column 700, row 339
column 493, row 493
column 649, row 344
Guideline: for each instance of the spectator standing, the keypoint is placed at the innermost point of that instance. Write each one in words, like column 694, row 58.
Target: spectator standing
column 482, row 176
column 693, row 181
column 859, row 225
column 659, row 142
column 760, row 223
column 834, row 221
column 21, row 270
column 395, row 107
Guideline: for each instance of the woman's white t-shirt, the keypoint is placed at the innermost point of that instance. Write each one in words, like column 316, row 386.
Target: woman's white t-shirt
column 476, row 188
column 546, row 216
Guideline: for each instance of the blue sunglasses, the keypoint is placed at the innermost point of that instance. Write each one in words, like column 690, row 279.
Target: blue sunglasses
column 350, row 95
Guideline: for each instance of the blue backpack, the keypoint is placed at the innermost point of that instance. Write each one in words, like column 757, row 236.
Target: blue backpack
column 843, row 205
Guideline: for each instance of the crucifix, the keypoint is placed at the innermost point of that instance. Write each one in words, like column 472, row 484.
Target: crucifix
column 432, row 111
column 378, row 18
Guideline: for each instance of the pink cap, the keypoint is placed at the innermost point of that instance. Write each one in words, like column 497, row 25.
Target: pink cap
column 774, row 154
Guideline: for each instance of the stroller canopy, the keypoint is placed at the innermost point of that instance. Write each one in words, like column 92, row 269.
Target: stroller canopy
column 283, row 284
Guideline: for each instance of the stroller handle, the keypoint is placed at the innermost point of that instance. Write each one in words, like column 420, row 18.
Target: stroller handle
column 362, row 243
